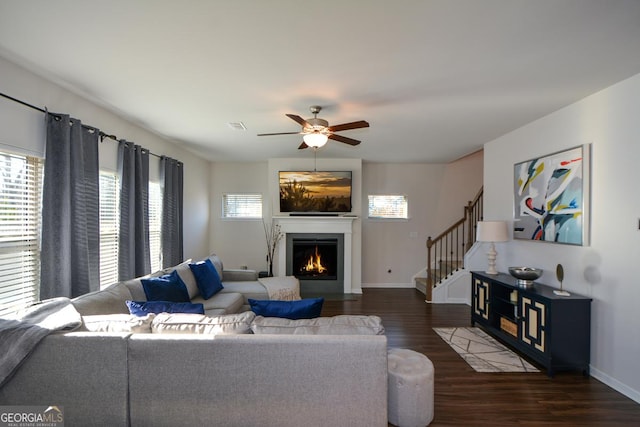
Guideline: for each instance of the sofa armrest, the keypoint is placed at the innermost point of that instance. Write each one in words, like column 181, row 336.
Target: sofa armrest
column 238, row 275
column 86, row 372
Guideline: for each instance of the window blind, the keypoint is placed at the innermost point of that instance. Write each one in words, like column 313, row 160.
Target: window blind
column 109, row 224
column 20, row 214
column 155, row 225
column 242, row 205
column 388, row 206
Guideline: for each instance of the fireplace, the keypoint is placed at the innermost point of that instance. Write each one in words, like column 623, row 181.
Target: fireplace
column 340, row 227
column 317, row 260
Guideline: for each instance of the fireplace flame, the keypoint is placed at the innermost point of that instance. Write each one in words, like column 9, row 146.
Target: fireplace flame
column 314, row 264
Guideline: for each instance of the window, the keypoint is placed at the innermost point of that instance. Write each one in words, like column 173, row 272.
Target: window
column 155, row 225
column 20, row 213
column 109, row 226
column 242, row 205
column 388, row 207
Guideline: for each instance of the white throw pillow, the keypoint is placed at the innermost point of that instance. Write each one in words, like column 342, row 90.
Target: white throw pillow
column 337, row 325
column 185, row 323
column 118, row 323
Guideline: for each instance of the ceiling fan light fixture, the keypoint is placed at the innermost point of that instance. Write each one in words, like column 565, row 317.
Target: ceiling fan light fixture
column 315, row 140
column 316, row 131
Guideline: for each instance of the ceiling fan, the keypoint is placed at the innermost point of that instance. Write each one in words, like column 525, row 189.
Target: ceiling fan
column 316, row 131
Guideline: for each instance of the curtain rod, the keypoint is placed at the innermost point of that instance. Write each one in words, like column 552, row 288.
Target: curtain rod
column 42, row 110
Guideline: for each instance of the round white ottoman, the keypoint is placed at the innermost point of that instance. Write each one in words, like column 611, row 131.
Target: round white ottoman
column 410, row 398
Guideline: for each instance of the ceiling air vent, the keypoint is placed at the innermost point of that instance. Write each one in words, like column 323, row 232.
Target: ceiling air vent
column 237, row 126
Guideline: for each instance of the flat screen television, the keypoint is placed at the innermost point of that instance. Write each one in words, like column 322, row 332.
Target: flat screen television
column 315, row 192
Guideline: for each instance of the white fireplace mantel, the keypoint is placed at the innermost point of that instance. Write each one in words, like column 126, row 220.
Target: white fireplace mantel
column 318, row 224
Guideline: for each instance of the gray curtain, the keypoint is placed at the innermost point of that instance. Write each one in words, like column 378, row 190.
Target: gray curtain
column 133, row 245
column 70, row 251
column 171, row 174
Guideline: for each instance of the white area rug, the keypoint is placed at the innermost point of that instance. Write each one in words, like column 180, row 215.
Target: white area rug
column 482, row 352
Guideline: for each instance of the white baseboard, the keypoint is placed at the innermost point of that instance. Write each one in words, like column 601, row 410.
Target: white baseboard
column 458, row 301
column 615, row 384
column 388, row 285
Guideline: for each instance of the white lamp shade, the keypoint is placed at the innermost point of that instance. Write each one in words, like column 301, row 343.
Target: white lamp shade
column 315, row 139
column 492, row 231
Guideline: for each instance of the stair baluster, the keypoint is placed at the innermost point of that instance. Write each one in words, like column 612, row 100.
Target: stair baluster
column 445, row 253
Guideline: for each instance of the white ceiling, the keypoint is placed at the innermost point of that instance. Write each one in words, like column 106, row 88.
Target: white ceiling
column 436, row 79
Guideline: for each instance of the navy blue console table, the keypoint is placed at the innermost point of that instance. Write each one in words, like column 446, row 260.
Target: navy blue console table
column 549, row 329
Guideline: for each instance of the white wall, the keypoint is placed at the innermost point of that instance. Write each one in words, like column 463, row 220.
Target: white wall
column 399, row 245
column 460, row 184
column 437, row 194
column 242, row 242
column 378, row 245
column 238, row 242
column 605, row 269
column 22, row 131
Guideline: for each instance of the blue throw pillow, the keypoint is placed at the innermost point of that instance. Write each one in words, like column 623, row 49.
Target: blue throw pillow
column 169, row 287
column 142, row 308
column 301, row 309
column 207, row 278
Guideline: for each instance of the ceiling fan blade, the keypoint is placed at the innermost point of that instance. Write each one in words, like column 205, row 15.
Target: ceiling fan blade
column 302, row 122
column 303, row 146
column 344, row 139
column 280, row 133
column 347, row 126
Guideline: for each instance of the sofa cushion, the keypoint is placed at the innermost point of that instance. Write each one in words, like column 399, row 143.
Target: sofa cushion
column 230, row 302
column 207, row 278
column 136, row 289
column 169, row 287
column 167, row 270
column 301, row 309
column 188, row 279
column 239, row 275
column 249, row 289
column 118, row 323
column 107, row 301
column 337, row 325
column 142, row 308
column 226, row 324
column 217, row 263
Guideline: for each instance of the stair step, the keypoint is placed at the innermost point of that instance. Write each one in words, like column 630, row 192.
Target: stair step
column 421, row 284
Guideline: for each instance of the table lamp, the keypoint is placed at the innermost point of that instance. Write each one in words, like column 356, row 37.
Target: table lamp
column 492, row 231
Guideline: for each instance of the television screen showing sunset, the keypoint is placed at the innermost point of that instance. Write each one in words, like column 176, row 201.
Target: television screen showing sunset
column 315, row 191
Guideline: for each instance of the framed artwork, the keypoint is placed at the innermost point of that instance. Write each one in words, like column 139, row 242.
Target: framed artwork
column 551, row 197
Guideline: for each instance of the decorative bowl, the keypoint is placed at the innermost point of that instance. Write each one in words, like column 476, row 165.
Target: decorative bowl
column 525, row 275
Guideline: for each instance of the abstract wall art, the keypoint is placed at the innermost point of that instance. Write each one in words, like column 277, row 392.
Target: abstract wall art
column 551, row 197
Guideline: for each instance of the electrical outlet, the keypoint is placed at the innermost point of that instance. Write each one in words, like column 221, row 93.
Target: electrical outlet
column 413, row 234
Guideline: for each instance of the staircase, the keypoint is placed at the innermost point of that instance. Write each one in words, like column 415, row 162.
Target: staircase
column 445, row 253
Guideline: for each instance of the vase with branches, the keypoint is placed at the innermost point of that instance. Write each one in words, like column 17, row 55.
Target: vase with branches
column 273, row 233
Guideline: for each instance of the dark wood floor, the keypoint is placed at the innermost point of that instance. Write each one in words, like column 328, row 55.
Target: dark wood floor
column 464, row 397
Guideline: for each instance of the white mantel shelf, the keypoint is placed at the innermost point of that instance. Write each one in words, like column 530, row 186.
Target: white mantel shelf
column 314, row 221
column 318, row 224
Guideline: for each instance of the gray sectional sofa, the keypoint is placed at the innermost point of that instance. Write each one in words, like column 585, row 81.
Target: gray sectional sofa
column 120, row 379
column 317, row 372
column 239, row 286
